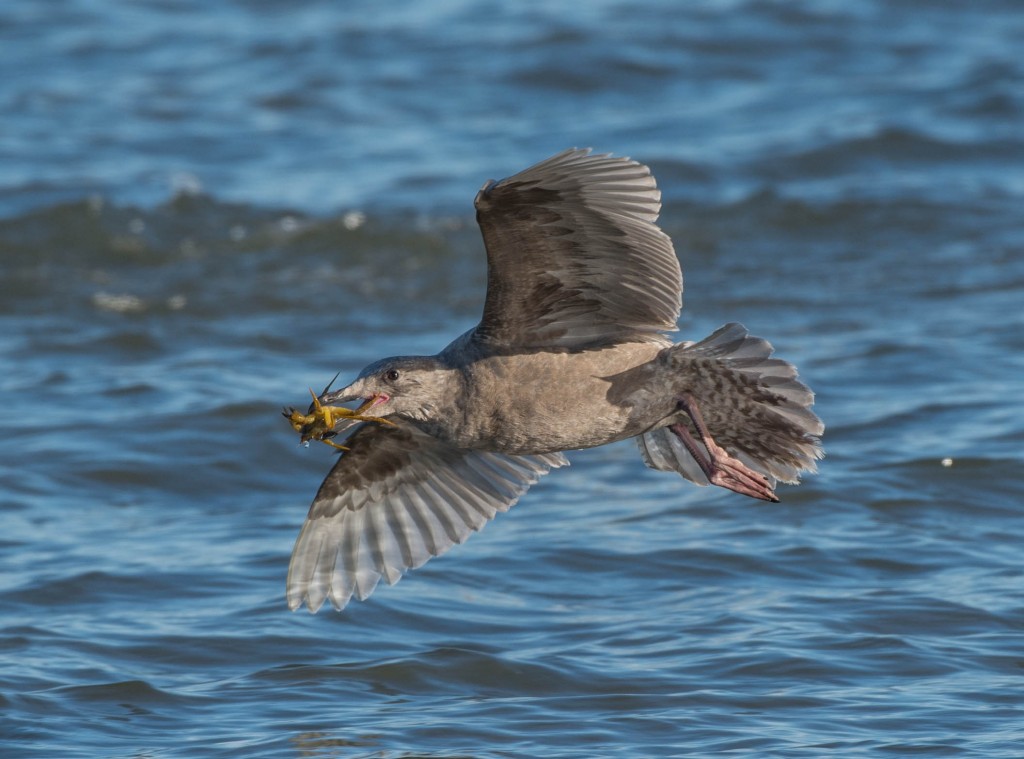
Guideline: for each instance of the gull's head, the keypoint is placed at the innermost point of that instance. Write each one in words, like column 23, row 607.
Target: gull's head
column 406, row 386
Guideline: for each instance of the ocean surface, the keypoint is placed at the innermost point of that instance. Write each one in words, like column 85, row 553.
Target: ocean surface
column 206, row 209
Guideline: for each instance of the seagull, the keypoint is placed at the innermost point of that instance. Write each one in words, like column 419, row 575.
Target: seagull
column 570, row 353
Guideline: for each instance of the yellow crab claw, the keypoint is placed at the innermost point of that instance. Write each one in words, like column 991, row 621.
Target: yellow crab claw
column 322, row 412
column 319, row 423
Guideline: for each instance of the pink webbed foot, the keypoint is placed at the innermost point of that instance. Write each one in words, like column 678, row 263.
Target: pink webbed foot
column 718, row 466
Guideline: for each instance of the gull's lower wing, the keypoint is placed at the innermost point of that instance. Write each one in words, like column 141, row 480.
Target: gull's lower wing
column 397, row 498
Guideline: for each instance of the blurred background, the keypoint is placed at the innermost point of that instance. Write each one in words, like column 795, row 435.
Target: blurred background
column 206, row 208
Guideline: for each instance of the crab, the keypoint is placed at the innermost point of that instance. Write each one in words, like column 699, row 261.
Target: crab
column 319, row 421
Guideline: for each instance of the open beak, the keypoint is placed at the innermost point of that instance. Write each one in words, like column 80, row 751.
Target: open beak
column 373, row 400
column 352, row 393
column 337, row 397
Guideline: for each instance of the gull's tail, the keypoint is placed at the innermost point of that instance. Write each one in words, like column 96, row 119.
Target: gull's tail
column 754, row 407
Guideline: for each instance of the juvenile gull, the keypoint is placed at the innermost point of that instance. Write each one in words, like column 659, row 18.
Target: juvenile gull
column 570, row 353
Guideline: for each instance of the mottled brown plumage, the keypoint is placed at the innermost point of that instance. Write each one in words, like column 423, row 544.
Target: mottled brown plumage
column 570, row 353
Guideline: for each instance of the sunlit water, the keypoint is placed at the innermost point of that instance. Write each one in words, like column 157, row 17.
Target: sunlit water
column 206, row 210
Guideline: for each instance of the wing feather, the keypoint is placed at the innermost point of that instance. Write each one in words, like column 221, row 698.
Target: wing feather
column 574, row 257
column 395, row 499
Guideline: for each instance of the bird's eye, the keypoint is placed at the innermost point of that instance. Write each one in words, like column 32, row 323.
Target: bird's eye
column 391, row 375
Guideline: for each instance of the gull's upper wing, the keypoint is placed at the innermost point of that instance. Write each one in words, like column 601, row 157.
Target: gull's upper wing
column 574, row 257
column 398, row 497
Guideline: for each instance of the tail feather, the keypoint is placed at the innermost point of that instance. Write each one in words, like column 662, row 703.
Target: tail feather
column 753, row 404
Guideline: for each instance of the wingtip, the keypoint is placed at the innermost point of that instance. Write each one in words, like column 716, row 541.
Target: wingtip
column 296, row 600
column 484, row 192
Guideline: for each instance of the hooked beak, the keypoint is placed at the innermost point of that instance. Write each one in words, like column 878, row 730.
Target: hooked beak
column 335, row 397
column 352, row 393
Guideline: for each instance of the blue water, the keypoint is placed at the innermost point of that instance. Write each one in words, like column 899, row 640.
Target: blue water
column 206, row 209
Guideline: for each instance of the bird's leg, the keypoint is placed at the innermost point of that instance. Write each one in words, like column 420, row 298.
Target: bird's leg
column 718, row 466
